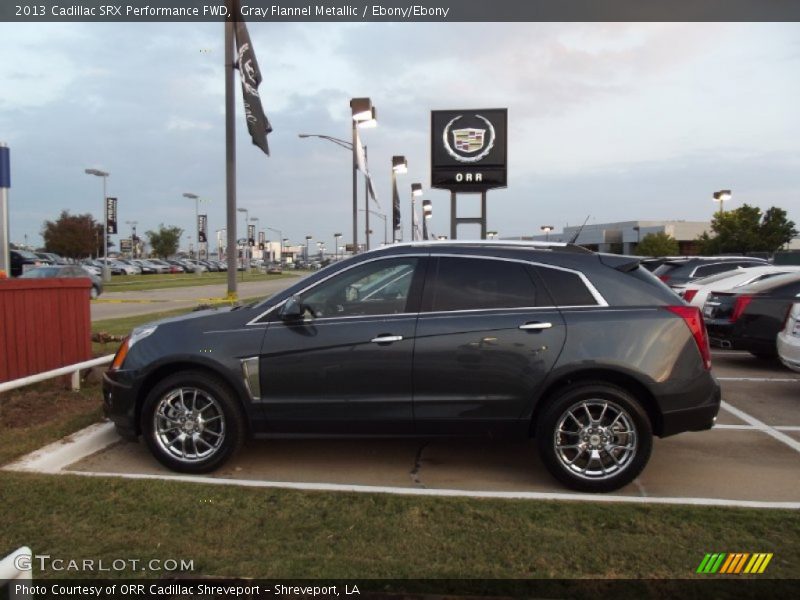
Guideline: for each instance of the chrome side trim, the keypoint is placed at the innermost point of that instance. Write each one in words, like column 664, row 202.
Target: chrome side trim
column 252, row 380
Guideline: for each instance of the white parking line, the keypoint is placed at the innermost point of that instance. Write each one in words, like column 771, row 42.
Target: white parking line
column 753, row 427
column 762, row 379
column 761, row 426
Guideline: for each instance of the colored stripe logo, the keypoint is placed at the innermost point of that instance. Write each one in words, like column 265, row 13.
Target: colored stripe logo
column 734, row 563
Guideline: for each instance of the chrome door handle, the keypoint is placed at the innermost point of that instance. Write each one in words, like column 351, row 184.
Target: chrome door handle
column 536, row 326
column 386, row 339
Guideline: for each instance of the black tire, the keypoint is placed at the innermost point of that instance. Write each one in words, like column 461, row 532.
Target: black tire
column 607, row 455
column 198, row 432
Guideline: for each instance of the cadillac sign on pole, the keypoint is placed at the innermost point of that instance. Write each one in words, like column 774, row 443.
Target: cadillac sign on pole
column 469, row 149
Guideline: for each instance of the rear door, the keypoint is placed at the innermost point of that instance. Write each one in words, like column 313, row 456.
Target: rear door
column 486, row 339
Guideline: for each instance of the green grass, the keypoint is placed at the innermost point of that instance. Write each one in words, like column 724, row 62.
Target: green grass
column 131, row 283
column 263, row 533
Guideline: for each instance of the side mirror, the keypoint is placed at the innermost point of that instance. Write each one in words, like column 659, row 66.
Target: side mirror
column 292, row 309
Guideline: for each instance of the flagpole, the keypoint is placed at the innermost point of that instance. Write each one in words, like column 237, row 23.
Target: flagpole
column 230, row 155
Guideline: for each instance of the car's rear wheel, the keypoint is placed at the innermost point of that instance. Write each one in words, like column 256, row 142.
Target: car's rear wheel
column 594, row 437
column 192, row 423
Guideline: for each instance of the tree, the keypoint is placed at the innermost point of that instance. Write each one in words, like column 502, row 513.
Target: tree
column 165, row 240
column 657, row 244
column 73, row 236
column 745, row 229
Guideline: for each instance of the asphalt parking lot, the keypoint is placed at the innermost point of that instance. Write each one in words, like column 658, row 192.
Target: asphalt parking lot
column 751, row 456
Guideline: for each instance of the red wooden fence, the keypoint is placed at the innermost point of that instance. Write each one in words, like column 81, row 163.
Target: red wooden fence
column 44, row 324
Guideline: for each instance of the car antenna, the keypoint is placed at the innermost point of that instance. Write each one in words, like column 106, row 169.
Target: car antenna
column 578, row 233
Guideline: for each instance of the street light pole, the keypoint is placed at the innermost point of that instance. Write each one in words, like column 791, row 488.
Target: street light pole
column 336, row 237
column 245, row 253
column 133, row 225
column 104, row 243
column 399, row 165
column 416, row 190
column 547, row 229
column 362, row 111
column 722, row 196
column 196, row 199
column 308, row 240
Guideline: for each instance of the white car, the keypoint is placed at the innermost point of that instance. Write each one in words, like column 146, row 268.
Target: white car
column 696, row 292
column 789, row 339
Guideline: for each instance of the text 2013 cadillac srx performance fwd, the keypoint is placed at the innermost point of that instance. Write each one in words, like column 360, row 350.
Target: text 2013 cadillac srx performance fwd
column 589, row 353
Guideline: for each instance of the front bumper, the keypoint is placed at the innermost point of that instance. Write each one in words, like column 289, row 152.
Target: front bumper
column 696, row 418
column 119, row 402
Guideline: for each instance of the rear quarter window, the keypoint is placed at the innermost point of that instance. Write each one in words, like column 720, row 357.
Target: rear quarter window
column 566, row 289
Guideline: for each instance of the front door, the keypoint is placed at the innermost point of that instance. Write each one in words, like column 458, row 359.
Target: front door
column 346, row 366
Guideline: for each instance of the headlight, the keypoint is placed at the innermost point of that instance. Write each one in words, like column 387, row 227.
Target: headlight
column 139, row 333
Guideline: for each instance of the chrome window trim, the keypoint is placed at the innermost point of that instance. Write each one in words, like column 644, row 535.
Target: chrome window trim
column 601, row 301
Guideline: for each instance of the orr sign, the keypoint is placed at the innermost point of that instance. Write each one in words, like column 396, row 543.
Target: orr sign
column 469, row 149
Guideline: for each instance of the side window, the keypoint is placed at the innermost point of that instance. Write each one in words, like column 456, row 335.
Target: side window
column 375, row 288
column 715, row 268
column 567, row 289
column 477, row 283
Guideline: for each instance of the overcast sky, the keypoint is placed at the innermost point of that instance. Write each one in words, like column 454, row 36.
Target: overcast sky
column 617, row 121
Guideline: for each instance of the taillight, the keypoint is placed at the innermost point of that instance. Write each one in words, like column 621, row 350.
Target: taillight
column 739, row 306
column 664, row 278
column 693, row 319
column 119, row 357
column 689, row 294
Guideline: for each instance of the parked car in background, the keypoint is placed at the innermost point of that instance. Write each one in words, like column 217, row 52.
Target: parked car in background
column 457, row 338
column 749, row 318
column 210, row 266
column 134, row 268
column 162, row 266
column 789, row 339
column 679, row 271
column 22, row 260
column 120, row 267
column 696, row 292
column 52, row 271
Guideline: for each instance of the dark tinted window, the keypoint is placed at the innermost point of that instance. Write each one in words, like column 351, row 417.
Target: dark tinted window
column 668, row 267
column 567, row 289
column 475, row 283
column 713, row 269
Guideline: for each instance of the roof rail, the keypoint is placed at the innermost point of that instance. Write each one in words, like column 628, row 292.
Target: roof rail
column 563, row 246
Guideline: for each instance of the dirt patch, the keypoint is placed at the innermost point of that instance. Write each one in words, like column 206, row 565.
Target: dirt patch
column 45, row 403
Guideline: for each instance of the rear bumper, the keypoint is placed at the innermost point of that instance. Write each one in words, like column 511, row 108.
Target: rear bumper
column 696, row 418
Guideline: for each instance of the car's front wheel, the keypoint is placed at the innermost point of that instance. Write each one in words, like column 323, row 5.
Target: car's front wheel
column 594, row 437
column 192, row 423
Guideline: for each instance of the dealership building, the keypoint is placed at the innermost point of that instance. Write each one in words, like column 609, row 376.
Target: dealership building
column 623, row 237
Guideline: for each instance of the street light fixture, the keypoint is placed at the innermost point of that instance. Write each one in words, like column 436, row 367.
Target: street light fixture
column 336, row 237
column 308, row 241
column 399, row 167
column 547, row 229
column 104, row 243
column 416, row 190
column 427, row 213
column 722, row 196
column 491, row 234
column 363, row 113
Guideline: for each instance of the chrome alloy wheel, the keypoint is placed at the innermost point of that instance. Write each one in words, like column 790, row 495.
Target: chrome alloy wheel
column 595, row 439
column 189, row 424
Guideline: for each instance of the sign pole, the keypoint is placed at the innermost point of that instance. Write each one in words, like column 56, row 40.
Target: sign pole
column 230, row 156
column 5, row 184
column 453, row 217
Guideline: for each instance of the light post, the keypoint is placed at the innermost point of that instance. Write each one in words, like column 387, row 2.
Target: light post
column 722, row 196
column 416, row 190
column 336, row 237
column 284, row 245
column 383, row 218
column 219, row 243
column 427, row 213
column 256, row 221
column 104, row 243
column 280, row 237
column 133, row 225
column 363, row 114
column 196, row 199
column 321, row 247
column 399, row 167
column 547, row 229
column 245, row 253
column 308, row 241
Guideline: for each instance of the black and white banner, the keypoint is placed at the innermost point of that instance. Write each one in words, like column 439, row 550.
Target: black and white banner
column 257, row 123
column 202, row 228
column 111, row 216
column 251, row 235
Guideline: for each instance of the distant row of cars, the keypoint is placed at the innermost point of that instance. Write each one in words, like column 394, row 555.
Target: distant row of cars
column 747, row 303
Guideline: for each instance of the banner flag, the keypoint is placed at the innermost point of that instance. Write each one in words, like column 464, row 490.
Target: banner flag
column 257, row 123
column 111, row 216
